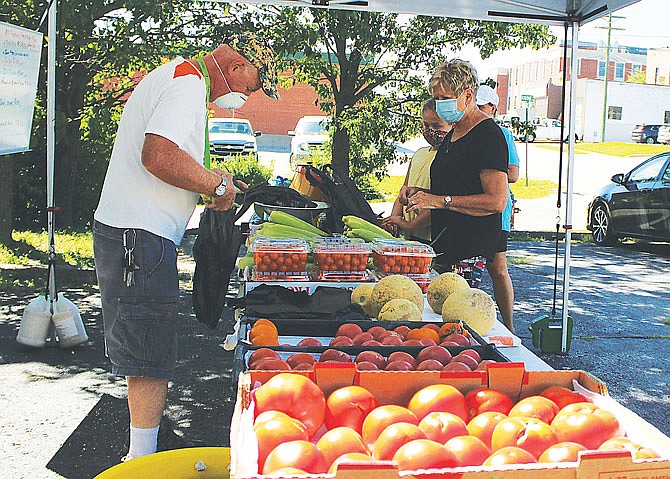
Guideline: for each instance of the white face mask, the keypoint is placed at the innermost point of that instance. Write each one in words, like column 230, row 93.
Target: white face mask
column 231, row 100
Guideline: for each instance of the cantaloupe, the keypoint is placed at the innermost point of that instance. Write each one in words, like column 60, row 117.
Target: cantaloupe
column 472, row 306
column 400, row 309
column 361, row 295
column 441, row 287
column 394, row 287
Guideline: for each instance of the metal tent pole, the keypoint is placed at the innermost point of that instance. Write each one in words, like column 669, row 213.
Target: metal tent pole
column 51, row 141
column 569, row 180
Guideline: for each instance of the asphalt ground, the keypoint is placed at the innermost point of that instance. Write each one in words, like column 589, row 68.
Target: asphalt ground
column 64, row 415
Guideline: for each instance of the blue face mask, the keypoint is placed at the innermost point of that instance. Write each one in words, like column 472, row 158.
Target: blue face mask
column 448, row 110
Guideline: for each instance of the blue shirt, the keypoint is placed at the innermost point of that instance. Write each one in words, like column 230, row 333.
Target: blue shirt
column 513, row 161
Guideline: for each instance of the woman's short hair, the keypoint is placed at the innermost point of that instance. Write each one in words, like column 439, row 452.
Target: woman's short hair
column 455, row 76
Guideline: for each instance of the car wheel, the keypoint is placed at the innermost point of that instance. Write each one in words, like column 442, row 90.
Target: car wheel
column 601, row 226
column 530, row 137
column 650, row 140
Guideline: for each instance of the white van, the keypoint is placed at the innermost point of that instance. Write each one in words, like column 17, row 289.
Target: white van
column 309, row 136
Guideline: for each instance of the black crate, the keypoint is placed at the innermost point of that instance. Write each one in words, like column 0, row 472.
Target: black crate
column 292, row 330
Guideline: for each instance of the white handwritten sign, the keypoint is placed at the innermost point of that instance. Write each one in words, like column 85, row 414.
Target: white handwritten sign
column 20, row 52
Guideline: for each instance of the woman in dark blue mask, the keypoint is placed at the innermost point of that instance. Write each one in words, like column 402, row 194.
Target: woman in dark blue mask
column 468, row 176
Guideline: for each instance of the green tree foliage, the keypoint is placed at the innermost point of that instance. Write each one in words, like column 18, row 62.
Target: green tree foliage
column 103, row 48
column 370, row 70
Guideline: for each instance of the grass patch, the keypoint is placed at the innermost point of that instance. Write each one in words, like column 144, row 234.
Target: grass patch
column 535, row 189
column 613, row 148
column 75, row 249
column 389, row 188
column 519, row 260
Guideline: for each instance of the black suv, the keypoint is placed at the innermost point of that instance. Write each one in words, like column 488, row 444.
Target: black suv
column 645, row 134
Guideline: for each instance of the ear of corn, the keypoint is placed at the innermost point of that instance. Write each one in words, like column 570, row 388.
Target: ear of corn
column 354, row 222
column 364, row 234
column 275, row 230
column 286, row 219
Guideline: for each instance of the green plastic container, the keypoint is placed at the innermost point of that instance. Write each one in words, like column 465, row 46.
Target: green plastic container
column 547, row 334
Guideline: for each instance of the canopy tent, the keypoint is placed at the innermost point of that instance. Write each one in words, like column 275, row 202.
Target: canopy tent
column 572, row 13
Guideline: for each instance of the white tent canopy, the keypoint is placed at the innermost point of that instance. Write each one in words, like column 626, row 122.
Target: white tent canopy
column 548, row 12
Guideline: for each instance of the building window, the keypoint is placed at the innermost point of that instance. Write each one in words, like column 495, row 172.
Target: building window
column 614, row 112
column 618, row 71
column 666, row 117
column 635, row 69
column 601, row 69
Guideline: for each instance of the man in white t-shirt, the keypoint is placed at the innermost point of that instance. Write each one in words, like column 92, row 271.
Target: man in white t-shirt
column 503, row 290
column 153, row 182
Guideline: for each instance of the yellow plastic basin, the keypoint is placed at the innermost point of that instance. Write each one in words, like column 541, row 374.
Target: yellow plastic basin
column 176, row 464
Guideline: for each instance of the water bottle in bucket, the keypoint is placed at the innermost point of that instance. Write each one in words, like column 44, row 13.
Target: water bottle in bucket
column 69, row 326
column 35, row 322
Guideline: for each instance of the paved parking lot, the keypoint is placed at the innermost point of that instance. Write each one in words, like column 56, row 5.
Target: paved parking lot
column 64, row 415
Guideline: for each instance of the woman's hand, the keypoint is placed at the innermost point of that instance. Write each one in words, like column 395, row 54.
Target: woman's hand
column 423, row 200
column 392, row 223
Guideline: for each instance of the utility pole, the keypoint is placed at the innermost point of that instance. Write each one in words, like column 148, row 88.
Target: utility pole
column 607, row 70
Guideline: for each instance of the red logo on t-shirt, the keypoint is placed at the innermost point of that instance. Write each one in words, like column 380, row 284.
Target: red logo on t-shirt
column 185, row 68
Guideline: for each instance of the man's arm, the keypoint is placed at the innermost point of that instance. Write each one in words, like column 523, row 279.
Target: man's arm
column 172, row 165
column 512, row 173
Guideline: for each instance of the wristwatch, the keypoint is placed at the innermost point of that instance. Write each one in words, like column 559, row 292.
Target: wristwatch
column 221, row 189
column 447, row 202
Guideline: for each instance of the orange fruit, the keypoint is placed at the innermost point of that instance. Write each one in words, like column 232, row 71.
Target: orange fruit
column 451, row 328
column 265, row 340
column 422, row 333
column 262, row 329
column 266, row 322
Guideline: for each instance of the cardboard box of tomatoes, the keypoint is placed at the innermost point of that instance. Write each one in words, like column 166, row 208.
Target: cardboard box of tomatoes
column 290, row 424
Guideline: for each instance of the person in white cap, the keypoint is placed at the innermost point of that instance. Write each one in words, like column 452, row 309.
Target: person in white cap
column 503, row 290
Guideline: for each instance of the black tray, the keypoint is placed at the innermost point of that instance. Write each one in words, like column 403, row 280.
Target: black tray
column 292, row 329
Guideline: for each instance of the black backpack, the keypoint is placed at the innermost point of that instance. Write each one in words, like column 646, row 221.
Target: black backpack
column 342, row 195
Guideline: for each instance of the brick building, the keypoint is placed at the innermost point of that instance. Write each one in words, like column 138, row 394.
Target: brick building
column 276, row 117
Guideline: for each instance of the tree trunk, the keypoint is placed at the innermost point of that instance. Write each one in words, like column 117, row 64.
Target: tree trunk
column 6, row 200
column 341, row 150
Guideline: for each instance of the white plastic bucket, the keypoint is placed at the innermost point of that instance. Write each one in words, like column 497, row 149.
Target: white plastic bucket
column 35, row 322
column 69, row 326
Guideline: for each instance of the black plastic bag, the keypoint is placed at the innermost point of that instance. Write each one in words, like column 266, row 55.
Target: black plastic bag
column 278, row 302
column 342, row 195
column 218, row 244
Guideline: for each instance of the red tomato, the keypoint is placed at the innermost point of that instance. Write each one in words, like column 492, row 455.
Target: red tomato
column 438, row 397
column 338, row 441
column 269, row 416
column 262, row 353
column 612, row 427
column 509, row 455
column 442, row 426
column 299, row 454
column 393, row 438
column 295, row 395
column 535, row 406
column 585, row 428
column 270, row 434
column 349, row 330
column 527, row 433
column 487, row 400
column 300, row 358
column 469, row 450
column 562, row 396
column 382, row 417
column 562, row 452
column 424, row 454
column 348, row 406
